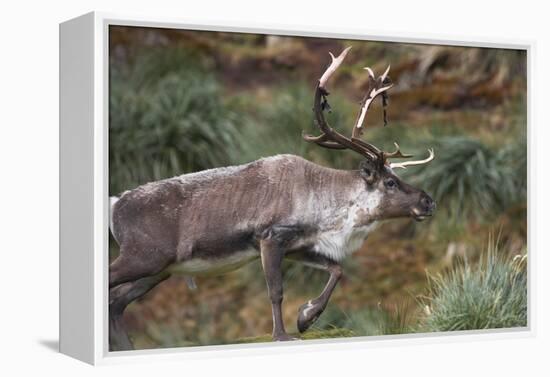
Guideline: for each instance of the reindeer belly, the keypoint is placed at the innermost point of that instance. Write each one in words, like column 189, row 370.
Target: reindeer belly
column 216, row 265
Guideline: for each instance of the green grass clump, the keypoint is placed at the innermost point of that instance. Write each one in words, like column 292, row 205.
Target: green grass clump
column 491, row 295
column 166, row 121
column 469, row 178
column 512, row 158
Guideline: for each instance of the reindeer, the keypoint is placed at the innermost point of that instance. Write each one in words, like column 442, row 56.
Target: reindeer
column 278, row 207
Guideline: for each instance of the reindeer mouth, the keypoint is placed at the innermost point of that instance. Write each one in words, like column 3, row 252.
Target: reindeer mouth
column 422, row 217
column 419, row 216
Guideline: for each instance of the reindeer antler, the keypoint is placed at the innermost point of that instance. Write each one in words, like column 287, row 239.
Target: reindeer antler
column 376, row 87
column 329, row 137
column 332, row 139
column 403, row 165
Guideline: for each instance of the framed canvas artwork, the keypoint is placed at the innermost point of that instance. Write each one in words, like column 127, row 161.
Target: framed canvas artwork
column 229, row 188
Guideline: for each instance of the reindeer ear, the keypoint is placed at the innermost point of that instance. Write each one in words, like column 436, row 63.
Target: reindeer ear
column 369, row 171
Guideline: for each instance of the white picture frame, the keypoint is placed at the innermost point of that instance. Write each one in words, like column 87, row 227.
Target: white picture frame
column 84, row 192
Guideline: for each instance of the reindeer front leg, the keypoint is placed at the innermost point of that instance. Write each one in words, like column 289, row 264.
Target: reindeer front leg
column 311, row 310
column 272, row 256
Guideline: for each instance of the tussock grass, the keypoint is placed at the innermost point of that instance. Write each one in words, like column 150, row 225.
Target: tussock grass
column 174, row 123
column 491, row 295
column 469, row 178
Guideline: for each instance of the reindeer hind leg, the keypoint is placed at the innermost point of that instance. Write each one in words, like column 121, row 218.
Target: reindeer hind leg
column 119, row 298
column 137, row 262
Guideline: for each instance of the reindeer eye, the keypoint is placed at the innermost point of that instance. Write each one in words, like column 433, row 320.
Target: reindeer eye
column 390, row 183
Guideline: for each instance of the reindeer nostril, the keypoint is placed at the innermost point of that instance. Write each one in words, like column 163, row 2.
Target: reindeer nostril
column 427, row 202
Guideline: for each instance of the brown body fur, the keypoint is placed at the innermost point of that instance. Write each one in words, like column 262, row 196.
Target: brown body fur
column 166, row 221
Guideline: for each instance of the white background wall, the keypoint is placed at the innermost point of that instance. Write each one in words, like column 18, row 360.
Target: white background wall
column 29, row 183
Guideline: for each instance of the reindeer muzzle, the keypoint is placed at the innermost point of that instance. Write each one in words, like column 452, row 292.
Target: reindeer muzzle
column 425, row 208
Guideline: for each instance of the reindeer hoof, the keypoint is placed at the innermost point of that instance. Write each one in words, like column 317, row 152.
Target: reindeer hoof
column 283, row 338
column 307, row 315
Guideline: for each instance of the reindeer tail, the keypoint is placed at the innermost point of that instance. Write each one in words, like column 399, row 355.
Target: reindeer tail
column 112, row 202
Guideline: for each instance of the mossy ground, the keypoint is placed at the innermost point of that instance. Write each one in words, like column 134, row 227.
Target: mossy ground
column 308, row 335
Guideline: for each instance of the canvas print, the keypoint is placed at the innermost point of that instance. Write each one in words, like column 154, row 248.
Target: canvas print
column 268, row 188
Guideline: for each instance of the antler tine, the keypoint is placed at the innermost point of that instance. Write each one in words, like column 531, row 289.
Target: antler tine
column 371, row 73
column 403, row 165
column 335, row 63
column 385, row 74
column 396, row 154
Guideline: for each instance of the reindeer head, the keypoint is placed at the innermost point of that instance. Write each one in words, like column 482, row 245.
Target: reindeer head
column 396, row 198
